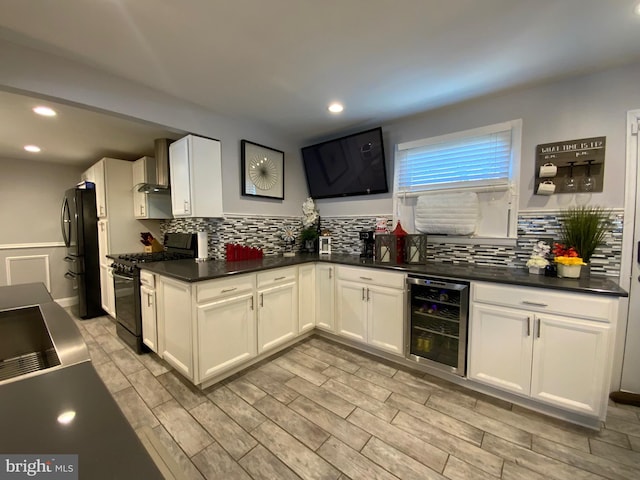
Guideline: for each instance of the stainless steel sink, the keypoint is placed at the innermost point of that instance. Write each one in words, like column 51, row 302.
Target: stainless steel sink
column 25, row 343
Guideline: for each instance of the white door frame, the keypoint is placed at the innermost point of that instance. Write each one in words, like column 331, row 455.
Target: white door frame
column 629, row 251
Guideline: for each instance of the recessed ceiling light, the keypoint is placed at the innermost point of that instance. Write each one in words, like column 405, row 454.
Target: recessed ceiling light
column 32, row 148
column 45, row 111
column 336, row 107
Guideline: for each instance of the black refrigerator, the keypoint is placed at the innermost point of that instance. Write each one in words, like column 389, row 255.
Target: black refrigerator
column 79, row 223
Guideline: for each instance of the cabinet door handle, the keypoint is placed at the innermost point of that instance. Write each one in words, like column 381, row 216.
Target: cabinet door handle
column 367, row 294
column 149, row 300
column 262, row 300
column 528, row 326
column 227, row 290
column 363, row 294
column 535, row 304
column 278, row 278
column 538, row 333
column 366, row 278
column 251, row 306
column 330, row 272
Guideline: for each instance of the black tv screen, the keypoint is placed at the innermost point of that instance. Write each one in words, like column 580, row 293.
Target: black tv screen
column 351, row 165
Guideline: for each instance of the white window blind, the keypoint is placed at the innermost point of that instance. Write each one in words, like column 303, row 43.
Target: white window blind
column 471, row 159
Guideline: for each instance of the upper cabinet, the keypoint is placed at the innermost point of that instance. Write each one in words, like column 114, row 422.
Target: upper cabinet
column 95, row 174
column 148, row 205
column 196, row 177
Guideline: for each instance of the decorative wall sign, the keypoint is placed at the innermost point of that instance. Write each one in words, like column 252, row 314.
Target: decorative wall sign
column 262, row 171
column 579, row 164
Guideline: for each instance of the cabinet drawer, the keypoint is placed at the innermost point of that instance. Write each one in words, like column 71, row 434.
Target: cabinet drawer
column 206, row 291
column 279, row 275
column 374, row 276
column 148, row 279
column 545, row 300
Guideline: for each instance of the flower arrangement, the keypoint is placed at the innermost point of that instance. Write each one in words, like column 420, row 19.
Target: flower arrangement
column 538, row 258
column 566, row 255
column 310, row 220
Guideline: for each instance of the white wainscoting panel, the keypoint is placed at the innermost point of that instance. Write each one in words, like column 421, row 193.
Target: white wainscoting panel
column 28, row 269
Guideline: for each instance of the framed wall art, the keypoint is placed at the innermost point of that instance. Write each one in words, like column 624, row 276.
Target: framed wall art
column 262, row 171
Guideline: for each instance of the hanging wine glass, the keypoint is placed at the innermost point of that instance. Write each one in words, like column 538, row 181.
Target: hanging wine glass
column 588, row 182
column 570, row 184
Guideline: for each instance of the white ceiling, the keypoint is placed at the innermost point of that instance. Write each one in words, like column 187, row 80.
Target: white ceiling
column 282, row 61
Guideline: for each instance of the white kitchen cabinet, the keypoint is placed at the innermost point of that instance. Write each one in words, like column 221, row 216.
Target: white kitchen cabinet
column 351, row 310
column 226, row 324
column 148, row 205
column 107, row 288
column 552, row 346
column 277, row 307
column 325, row 297
column 385, row 327
column 196, row 177
column 96, row 174
column 175, row 328
column 148, row 310
column 307, row 297
column 118, row 230
column 226, row 334
column 107, row 291
column 370, row 307
column 570, row 362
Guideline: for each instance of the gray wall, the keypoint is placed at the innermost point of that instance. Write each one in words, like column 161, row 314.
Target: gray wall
column 43, row 74
column 30, row 199
column 578, row 107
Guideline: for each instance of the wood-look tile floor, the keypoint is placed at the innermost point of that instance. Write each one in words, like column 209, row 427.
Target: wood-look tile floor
column 323, row 411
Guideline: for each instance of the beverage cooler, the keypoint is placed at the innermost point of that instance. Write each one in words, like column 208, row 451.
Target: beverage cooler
column 437, row 323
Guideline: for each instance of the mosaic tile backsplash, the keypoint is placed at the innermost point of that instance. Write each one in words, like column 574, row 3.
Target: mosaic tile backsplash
column 266, row 233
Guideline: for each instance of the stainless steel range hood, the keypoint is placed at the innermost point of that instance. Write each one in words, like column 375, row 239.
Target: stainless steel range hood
column 159, row 184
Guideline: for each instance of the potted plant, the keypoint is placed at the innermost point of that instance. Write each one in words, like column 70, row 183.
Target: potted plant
column 569, row 262
column 308, row 237
column 584, row 229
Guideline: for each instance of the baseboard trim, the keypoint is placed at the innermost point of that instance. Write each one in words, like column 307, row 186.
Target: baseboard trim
column 66, row 302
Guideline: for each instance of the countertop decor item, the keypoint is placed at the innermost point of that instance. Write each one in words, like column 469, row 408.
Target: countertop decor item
column 584, row 229
column 262, row 171
column 310, row 224
column 568, row 262
column 538, row 259
column 289, row 238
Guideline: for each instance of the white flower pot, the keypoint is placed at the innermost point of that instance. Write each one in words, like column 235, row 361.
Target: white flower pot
column 536, row 270
column 569, row 271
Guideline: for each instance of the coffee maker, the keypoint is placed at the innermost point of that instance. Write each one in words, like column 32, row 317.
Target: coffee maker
column 368, row 243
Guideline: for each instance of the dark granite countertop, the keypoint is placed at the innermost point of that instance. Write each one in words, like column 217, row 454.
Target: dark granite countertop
column 192, row 271
column 106, row 444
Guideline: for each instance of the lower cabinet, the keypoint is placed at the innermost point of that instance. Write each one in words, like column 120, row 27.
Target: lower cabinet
column 370, row 307
column 107, row 290
column 148, row 310
column 277, row 307
column 175, row 325
column 226, row 334
column 560, row 359
column 306, row 297
column 325, row 297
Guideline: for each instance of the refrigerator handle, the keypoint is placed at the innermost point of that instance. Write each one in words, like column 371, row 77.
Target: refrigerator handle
column 65, row 222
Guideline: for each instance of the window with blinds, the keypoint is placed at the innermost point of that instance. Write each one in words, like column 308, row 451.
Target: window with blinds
column 466, row 160
column 484, row 160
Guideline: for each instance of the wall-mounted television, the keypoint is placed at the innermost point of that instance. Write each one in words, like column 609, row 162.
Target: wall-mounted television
column 346, row 166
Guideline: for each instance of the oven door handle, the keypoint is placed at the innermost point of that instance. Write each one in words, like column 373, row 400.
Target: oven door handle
column 122, row 276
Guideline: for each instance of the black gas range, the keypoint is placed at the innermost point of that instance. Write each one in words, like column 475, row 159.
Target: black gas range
column 126, row 279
